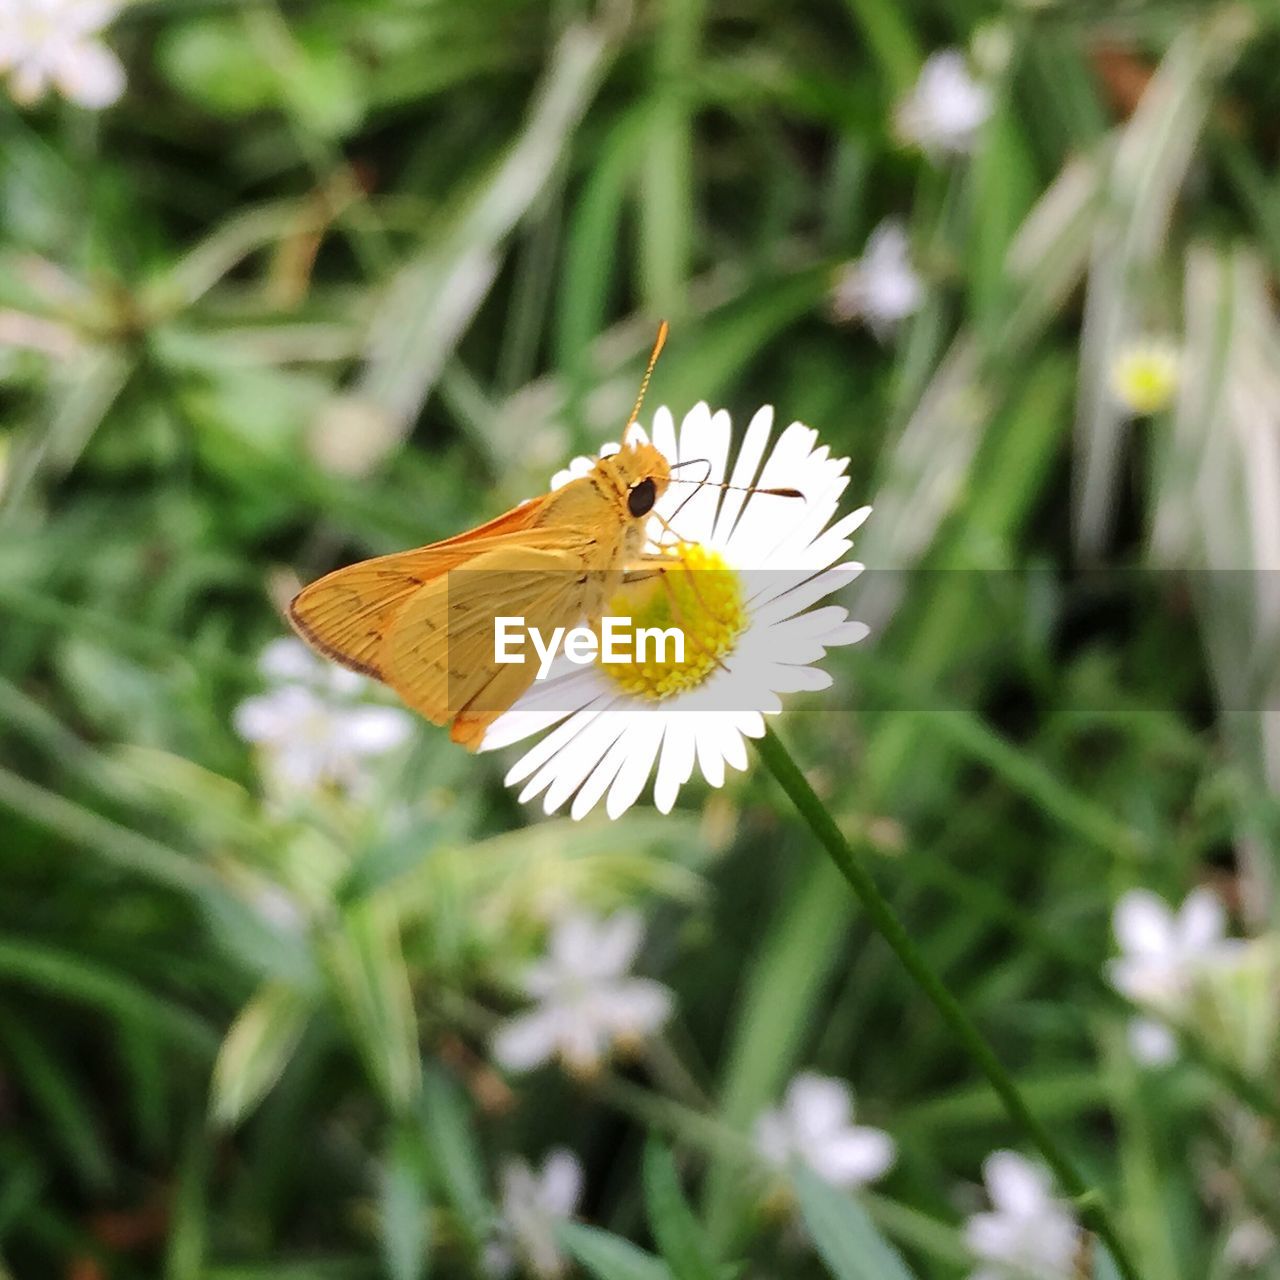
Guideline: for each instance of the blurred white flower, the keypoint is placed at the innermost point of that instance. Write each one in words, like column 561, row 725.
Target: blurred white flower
column 1029, row 1234
column 1249, row 1243
column 1163, row 953
column 881, row 287
column 587, row 1002
column 947, row 106
column 749, row 590
column 531, row 1206
column 54, row 42
column 814, row 1127
column 311, row 729
column 1144, row 375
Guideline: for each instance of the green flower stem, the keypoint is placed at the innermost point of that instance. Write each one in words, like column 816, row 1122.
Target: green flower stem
column 1087, row 1200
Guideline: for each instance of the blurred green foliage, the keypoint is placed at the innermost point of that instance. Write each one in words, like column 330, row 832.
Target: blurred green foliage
column 334, row 279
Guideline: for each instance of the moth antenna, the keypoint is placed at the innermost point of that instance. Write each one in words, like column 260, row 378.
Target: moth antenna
column 659, row 343
column 720, row 484
column 740, row 488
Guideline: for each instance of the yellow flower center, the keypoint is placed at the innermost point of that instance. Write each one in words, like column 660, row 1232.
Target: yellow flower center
column 699, row 595
column 1145, row 377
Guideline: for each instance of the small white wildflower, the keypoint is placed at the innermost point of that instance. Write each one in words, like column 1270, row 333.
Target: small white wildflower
column 1163, row 953
column 882, row 286
column 814, row 1127
column 47, row 43
column 587, row 1002
column 311, row 729
column 1029, row 1234
column 1249, row 1243
column 1144, row 375
column 531, row 1206
column 947, row 106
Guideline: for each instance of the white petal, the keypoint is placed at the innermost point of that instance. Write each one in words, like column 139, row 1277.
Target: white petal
column 372, row 731
column 28, row 81
column 847, row 633
column 287, row 659
column 1015, row 1184
column 702, row 436
column 546, row 748
column 710, row 760
column 732, row 747
column 565, row 772
column 675, row 762
column 257, row 719
column 785, row 679
column 639, row 1007
column 602, row 776
column 1143, row 924
column 561, row 1183
column 577, row 468
column 1152, row 1043
column 528, row 1041
column 583, row 1044
column 857, row 1156
column 818, row 1105
column 994, row 1236
column 517, row 724
column 664, row 434
column 88, row 73
column 800, row 596
column 617, row 943
column 744, row 472
column 588, row 766
column 645, row 737
column 1202, row 922
column 693, row 428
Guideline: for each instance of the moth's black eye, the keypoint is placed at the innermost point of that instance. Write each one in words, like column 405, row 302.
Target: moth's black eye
column 642, row 497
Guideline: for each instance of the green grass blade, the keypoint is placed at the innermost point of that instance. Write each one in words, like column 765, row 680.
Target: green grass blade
column 844, row 1235
column 680, row 1238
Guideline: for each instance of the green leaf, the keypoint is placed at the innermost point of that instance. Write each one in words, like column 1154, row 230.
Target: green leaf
column 450, row 1140
column 674, row 1227
column 188, row 1228
column 52, row 1092
column 434, row 296
column 844, row 1235
column 787, row 979
column 609, row 1257
column 67, row 976
column 404, row 1208
column 210, row 61
column 257, row 1049
column 371, row 981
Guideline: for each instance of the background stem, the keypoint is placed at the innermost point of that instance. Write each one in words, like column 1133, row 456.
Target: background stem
column 1088, row 1200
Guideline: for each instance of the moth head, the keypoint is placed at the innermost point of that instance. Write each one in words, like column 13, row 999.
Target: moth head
column 639, row 474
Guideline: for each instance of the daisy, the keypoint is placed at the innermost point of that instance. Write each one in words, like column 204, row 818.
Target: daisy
column 311, row 728
column 587, row 1000
column 1144, row 375
column 750, row 571
column 532, row 1204
column 814, row 1127
column 882, row 286
column 945, row 109
column 1029, row 1234
column 53, row 42
column 1163, row 954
